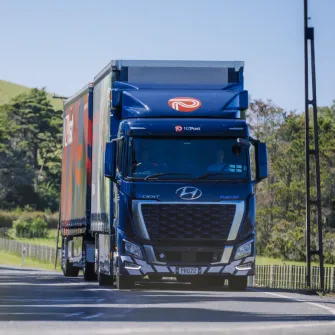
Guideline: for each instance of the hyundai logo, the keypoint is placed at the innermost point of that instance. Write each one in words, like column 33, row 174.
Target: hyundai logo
column 188, row 193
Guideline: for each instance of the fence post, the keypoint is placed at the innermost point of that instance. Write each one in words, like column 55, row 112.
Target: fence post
column 23, row 254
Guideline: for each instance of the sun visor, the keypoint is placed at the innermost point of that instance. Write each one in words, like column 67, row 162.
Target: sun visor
column 185, row 127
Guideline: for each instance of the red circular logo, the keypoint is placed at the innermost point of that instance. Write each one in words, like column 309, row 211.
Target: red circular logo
column 184, row 104
column 178, row 129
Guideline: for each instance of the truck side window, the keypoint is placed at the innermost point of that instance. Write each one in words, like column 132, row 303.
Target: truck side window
column 119, row 157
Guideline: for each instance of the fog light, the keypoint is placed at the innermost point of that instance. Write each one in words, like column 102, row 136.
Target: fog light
column 245, row 266
column 131, row 266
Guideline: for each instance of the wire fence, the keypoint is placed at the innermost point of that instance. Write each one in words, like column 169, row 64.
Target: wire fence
column 40, row 252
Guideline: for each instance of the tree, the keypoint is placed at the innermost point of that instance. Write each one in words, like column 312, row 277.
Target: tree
column 30, row 134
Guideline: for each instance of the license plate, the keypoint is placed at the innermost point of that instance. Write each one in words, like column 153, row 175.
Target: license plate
column 188, row 271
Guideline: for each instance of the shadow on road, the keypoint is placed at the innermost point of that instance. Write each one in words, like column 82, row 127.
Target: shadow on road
column 44, row 296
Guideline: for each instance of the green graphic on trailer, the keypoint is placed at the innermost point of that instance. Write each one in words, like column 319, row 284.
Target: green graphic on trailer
column 101, row 130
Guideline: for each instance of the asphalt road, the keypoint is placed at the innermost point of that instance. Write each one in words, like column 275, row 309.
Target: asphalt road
column 44, row 302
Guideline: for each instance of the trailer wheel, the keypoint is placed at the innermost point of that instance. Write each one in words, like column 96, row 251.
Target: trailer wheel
column 237, row 283
column 88, row 268
column 69, row 270
column 88, row 271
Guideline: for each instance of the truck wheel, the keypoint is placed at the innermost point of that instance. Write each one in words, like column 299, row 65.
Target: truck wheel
column 105, row 280
column 69, row 270
column 124, row 282
column 238, row 283
column 88, row 271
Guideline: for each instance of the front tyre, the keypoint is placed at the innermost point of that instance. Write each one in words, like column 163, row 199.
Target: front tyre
column 124, row 282
column 238, row 283
column 105, row 280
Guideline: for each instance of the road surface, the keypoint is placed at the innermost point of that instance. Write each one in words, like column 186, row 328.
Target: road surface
column 44, row 302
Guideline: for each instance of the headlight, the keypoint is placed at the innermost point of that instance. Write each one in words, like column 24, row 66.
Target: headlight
column 244, row 250
column 133, row 249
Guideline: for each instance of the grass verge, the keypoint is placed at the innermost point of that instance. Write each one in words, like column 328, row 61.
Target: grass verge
column 13, row 259
column 49, row 241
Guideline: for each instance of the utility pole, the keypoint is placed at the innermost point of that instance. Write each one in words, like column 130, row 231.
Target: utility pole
column 314, row 151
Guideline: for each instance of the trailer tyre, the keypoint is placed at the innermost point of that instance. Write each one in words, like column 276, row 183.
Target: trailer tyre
column 88, row 271
column 238, row 283
column 88, row 267
column 69, row 270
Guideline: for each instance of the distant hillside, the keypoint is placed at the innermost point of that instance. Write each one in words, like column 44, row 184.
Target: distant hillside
column 9, row 90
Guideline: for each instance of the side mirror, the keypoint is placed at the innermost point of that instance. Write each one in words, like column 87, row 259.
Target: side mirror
column 261, row 161
column 110, row 152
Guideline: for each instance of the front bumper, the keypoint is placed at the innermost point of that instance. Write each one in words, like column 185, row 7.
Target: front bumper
column 146, row 268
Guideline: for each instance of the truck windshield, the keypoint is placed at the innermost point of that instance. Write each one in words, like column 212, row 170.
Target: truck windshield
column 186, row 158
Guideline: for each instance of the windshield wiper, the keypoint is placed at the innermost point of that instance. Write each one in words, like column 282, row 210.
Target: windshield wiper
column 134, row 178
column 166, row 173
column 211, row 174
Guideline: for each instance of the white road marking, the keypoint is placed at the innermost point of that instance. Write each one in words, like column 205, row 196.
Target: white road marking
column 93, row 316
column 217, row 329
column 73, row 314
column 53, row 300
column 30, row 313
column 329, row 309
column 40, row 284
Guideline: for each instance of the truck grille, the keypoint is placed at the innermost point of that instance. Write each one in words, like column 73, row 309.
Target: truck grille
column 188, row 221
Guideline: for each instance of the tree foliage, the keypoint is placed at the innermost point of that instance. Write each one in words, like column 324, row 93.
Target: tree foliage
column 281, row 198
column 30, row 152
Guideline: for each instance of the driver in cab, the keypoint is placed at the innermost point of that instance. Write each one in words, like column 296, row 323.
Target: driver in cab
column 219, row 165
column 148, row 165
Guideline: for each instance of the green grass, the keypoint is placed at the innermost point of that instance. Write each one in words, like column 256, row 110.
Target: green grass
column 49, row 241
column 9, row 90
column 13, row 259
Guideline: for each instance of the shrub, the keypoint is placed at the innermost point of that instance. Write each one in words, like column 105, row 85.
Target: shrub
column 7, row 218
column 38, row 228
column 21, row 227
column 31, row 227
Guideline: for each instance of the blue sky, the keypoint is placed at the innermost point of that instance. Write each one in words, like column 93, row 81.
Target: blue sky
column 63, row 44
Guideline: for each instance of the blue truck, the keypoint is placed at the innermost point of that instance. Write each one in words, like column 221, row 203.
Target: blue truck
column 158, row 175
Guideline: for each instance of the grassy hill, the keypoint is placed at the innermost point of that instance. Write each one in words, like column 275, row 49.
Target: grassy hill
column 9, row 90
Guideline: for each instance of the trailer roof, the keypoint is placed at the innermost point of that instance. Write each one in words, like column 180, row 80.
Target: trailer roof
column 78, row 94
column 119, row 64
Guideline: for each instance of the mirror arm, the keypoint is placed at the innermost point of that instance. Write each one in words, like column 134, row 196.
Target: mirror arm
column 253, row 141
column 117, row 139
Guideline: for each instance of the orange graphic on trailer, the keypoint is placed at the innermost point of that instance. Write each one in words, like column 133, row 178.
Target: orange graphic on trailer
column 74, row 162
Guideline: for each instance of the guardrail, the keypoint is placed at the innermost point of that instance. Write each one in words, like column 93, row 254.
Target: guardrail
column 291, row 277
